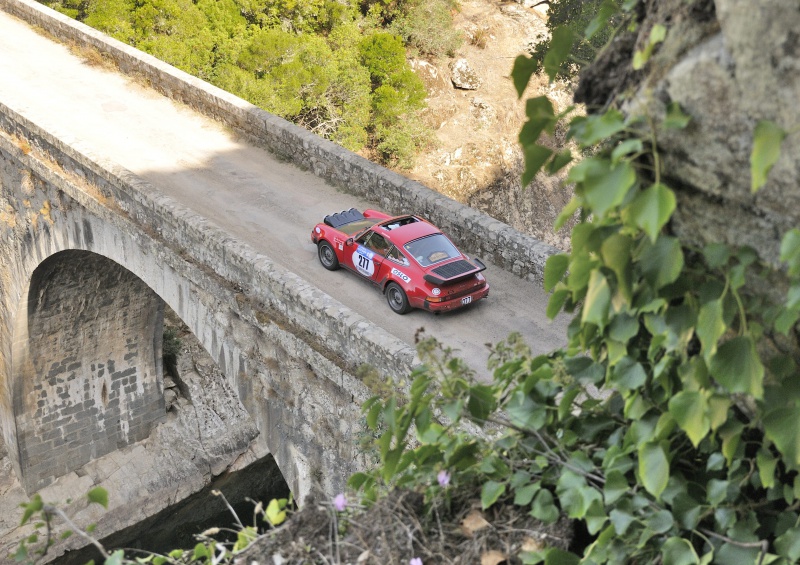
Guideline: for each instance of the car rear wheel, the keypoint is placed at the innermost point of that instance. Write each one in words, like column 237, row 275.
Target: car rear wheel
column 327, row 256
column 397, row 299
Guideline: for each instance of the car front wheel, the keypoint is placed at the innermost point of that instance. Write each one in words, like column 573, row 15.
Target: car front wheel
column 327, row 256
column 397, row 299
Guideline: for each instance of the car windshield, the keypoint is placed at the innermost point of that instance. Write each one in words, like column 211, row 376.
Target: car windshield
column 431, row 249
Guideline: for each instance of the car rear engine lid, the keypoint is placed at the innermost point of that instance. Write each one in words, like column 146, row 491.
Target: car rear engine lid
column 342, row 218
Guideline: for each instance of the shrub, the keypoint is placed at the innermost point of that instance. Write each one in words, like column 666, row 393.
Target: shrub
column 667, row 426
column 428, row 28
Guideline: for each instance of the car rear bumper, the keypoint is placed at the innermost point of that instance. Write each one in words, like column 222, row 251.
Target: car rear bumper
column 457, row 303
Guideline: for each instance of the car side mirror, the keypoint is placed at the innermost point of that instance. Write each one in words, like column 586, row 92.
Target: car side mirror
column 349, row 241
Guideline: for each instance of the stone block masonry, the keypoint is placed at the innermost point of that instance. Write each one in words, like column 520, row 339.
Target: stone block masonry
column 481, row 235
column 90, row 385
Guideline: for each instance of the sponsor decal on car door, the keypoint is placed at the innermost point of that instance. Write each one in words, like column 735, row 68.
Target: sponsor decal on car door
column 401, row 275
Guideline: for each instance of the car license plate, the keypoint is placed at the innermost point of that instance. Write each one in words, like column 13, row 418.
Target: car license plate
column 466, row 300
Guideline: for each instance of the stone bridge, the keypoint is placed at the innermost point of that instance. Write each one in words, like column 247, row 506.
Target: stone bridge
column 92, row 254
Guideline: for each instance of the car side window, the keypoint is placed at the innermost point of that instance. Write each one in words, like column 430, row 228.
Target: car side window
column 395, row 255
column 374, row 242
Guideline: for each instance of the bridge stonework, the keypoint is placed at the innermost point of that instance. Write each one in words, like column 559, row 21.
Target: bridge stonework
column 88, row 371
column 79, row 229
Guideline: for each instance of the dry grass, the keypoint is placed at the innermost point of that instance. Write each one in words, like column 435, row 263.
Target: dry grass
column 92, row 56
column 396, row 529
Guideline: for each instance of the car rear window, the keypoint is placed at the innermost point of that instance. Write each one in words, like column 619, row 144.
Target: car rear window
column 355, row 227
column 431, row 249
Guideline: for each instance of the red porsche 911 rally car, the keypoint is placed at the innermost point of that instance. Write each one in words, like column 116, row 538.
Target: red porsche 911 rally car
column 408, row 258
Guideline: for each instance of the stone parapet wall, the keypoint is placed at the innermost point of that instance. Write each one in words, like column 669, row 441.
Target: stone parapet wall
column 476, row 232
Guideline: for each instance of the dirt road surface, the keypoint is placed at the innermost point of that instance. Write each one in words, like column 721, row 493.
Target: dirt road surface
column 240, row 188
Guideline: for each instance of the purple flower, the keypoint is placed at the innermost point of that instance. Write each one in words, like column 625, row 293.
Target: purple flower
column 416, row 560
column 340, row 502
column 444, row 479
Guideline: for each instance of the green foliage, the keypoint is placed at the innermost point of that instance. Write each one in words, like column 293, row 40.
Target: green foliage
column 318, row 63
column 766, row 150
column 578, row 31
column 208, row 551
column 657, row 35
column 303, row 16
column 383, row 55
column 668, row 425
column 398, row 93
column 427, row 27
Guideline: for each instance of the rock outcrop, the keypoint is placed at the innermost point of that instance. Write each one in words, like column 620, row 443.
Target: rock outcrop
column 476, row 116
column 729, row 64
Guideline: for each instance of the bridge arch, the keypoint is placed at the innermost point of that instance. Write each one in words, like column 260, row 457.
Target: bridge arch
column 86, row 362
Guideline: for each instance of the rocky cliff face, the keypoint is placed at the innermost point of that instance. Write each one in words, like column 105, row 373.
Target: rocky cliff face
column 729, row 64
column 475, row 112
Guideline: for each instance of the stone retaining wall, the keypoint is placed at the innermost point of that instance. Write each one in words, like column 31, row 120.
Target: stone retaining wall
column 479, row 234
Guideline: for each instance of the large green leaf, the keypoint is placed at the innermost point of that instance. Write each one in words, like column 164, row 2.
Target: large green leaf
column 657, row 35
column 556, row 302
column 661, row 263
column 628, row 374
column 557, row 556
column 678, row 551
column 560, row 47
column 607, row 9
column 690, row 410
column 767, row 141
column 782, row 426
column 543, row 507
column 621, row 520
column 597, row 301
column 481, row 401
column 616, row 485
column 599, row 127
column 521, row 73
column 653, row 468
column 115, row 558
column 603, row 184
column 652, row 209
column 616, row 253
column 554, row 269
column 790, row 251
column 575, row 495
column 766, row 467
column 627, row 147
column 541, row 117
column 788, row 545
column 535, row 157
column 524, row 495
column 675, row 118
column 737, row 367
column 491, row 491
column 660, row 522
column 524, row 413
column 710, row 327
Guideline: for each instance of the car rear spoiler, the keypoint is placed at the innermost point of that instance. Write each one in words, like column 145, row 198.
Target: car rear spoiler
column 343, row 218
column 454, row 272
